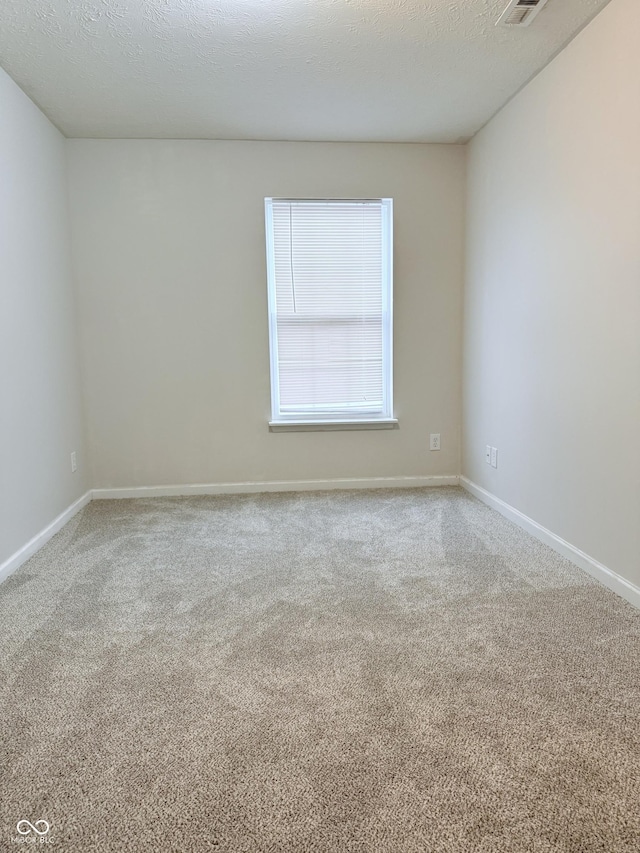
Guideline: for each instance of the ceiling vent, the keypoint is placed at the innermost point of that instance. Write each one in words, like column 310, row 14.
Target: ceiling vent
column 520, row 13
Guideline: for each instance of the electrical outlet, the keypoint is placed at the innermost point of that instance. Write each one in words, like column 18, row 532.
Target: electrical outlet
column 494, row 457
column 487, row 454
column 434, row 441
column 74, row 463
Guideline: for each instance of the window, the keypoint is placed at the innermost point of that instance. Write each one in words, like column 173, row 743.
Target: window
column 329, row 266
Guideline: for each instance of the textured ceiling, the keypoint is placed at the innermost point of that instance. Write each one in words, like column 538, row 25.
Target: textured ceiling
column 379, row 70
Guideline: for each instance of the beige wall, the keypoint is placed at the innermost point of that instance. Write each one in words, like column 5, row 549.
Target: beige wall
column 170, row 265
column 552, row 305
column 40, row 414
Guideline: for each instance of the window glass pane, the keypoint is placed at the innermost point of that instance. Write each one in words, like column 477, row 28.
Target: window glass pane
column 330, row 314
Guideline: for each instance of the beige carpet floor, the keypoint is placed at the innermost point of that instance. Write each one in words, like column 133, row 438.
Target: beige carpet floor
column 355, row 671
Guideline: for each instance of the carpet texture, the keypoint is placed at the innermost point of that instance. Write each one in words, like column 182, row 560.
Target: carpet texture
column 385, row 671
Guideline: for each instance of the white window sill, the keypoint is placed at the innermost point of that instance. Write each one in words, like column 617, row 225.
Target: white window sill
column 325, row 426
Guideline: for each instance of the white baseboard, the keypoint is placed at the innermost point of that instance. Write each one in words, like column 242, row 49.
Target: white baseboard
column 273, row 486
column 22, row 555
column 606, row 576
column 601, row 573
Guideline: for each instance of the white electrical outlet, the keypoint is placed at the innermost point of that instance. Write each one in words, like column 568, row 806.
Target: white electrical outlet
column 434, row 441
column 74, row 463
column 494, row 457
column 487, row 454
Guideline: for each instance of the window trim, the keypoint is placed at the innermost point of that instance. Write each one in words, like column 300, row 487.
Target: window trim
column 330, row 426
column 335, row 419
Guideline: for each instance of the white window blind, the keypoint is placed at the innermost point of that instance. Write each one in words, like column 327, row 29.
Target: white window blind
column 329, row 275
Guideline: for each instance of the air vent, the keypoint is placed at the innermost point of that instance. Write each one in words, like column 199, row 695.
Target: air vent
column 520, row 13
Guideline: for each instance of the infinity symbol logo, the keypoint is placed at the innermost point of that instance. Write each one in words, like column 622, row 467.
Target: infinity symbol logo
column 25, row 827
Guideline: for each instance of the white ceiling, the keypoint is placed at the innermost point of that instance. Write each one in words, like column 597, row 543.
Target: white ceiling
column 344, row 70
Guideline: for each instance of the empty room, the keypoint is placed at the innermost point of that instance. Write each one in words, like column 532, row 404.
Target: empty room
column 319, row 420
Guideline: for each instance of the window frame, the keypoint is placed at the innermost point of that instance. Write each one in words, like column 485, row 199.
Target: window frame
column 334, row 418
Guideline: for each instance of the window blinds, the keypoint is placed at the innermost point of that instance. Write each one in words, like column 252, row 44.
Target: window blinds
column 330, row 308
